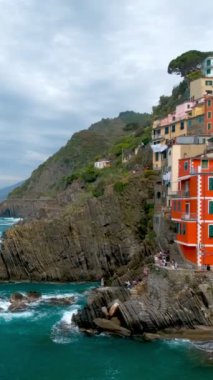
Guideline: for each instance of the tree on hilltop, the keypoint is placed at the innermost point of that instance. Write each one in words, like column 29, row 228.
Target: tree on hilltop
column 187, row 62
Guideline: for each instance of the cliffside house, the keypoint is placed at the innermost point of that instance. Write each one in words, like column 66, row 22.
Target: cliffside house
column 101, row 164
column 190, row 119
column 192, row 209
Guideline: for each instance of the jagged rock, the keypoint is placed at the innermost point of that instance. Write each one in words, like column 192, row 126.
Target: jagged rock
column 110, row 326
column 116, row 321
column 91, row 239
column 60, row 301
column 105, row 311
column 17, row 306
column 113, row 309
column 149, row 337
column 33, row 296
column 17, row 297
column 164, row 303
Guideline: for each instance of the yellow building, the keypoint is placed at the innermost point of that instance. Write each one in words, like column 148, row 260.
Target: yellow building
column 187, row 146
column 201, row 87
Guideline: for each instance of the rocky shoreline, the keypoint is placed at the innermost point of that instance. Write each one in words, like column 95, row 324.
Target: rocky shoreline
column 166, row 304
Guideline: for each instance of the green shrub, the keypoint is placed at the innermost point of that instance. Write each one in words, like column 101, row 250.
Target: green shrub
column 69, row 179
column 90, row 174
column 131, row 127
column 98, row 191
column 149, row 172
column 119, row 187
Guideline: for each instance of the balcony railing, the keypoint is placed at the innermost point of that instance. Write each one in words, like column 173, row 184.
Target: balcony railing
column 157, row 137
column 189, row 216
column 201, row 171
column 181, row 194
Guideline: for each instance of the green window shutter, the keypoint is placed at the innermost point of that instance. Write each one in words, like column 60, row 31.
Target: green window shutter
column 211, row 207
column 204, row 164
column 210, row 183
column 211, row 230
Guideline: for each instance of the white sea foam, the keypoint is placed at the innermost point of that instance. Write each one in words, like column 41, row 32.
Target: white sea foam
column 67, row 316
column 10, row 316
column 59, row 296
column 4, row 305
column 9, row 221
column 177, row 342
column 204, row 346
column 64, row 332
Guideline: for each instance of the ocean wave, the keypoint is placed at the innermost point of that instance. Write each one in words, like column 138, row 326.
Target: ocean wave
column 58, row 295
column 204, row 346
column 8, row 317
column 67, row 316
column 64, row 331
column 9, row 221
column 173, row 343
column 4, row 305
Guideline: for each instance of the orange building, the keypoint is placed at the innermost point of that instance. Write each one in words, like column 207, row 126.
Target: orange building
column 192, row 209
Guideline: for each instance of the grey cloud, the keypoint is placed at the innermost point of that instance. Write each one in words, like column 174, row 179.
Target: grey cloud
column 65, row 64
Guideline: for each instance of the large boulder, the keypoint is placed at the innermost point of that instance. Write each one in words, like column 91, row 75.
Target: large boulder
column 33, row 296
column 60, row 301
column 111, row 326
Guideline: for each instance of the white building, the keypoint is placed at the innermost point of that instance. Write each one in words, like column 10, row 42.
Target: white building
column 101, row 164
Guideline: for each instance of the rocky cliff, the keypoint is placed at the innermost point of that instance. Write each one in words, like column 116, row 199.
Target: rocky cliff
column 165, row 300
column 89, row 239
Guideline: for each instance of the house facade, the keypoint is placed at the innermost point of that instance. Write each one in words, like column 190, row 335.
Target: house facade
column 101, row 164
column 192, row 209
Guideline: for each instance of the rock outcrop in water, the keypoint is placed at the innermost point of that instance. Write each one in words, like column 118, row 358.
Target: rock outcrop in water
column 89, row 239
column 166, row 299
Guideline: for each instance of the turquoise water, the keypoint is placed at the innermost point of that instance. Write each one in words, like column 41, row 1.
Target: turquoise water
column 41, row 344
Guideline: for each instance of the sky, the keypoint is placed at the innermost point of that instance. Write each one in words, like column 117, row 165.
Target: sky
column 65, row 64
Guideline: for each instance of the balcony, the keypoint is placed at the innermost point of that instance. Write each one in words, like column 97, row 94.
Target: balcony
column 157, row 137
column 181, row 194
column 189, row 216
column 200, row 170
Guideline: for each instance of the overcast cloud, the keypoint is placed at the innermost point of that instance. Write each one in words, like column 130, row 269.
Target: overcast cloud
column 65, row 64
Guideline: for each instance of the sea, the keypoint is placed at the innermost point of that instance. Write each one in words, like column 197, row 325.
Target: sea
column 42, row 344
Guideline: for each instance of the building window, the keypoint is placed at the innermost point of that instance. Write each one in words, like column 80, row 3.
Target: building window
column 204, row 164
column 173, row 128
column 210, row 230
column 186, row 165
column 209, row 115
column 158, row 195
column 156, row 156
column 210, row 183
column 188, row 106
column 211, row 207
column 208, row 82
column 178, row 228
column 184, row 229
column 209, row 126
column 208, row 71
column 208, row 62
column 209, row 103
column 182, row 125
column 174, row 205
column 179, row 206
column 189, row 123
column 200, row 119
column 166, row 130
